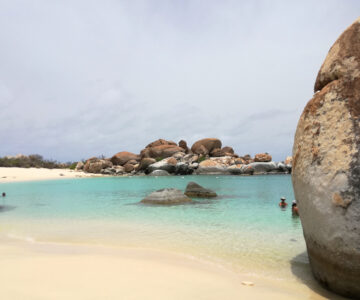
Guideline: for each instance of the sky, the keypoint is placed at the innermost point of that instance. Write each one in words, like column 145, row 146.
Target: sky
column 89, row 78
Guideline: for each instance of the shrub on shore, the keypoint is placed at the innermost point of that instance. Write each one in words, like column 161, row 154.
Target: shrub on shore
column 32, row 161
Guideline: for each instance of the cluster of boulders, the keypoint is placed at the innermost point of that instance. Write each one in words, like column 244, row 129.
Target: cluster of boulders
column 175, row 196
column 206, row 156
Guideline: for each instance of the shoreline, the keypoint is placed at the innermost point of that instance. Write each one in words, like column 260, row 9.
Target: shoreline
column 92, row 271
column 15, row 174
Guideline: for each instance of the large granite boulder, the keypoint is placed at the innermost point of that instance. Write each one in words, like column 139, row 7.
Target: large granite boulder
column 205, row 146
column 326, row 168
column 79, row 166
column 212, row 167
column 166, row 196
column 168, row 165
column 183, row 145
column 145, row 162
column 182, row 168
column 259, row 168
column 161, row 151
column 160, row 142
column 123, row 157
column 129, row 168
column 197, row 191
column 227, row 151
column 95, row 165
column 262, row 157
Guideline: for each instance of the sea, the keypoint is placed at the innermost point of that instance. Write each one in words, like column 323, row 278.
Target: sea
column 243, row 229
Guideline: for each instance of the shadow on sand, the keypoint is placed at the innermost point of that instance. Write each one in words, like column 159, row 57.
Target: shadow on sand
column 300, row 267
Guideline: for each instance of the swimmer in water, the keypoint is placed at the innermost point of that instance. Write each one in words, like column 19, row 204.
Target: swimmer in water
column 283, row 204
column 294, row 208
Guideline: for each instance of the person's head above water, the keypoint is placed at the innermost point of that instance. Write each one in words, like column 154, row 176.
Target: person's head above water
column 3, row 194
column 282, row 199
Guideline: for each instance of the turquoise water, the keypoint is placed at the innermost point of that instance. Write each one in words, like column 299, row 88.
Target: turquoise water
column 243, row 228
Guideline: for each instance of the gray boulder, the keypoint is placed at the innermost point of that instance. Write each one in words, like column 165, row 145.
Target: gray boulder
column 166, row 196
column 235, row 170
column 159, row 173
column 326, row 168
column 182, row 168
column 195, row 190
column 162, row 165
column 259, row 168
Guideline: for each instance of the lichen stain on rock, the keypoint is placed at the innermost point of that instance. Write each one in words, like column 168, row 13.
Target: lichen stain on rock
column 339, row 201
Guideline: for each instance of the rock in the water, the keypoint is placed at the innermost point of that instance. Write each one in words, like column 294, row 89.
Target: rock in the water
column 159, row 173
column 205, row 146
column 195, row 190
column 263, row 157
column 166, row 196
column 212, row 167
column 123, row 157
column 259, row 168
column 182, row 168
column 326, row 168
column 236, row 169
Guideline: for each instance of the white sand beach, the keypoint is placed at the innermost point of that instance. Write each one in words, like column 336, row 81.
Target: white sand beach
column 30, row 174
column 55, row 271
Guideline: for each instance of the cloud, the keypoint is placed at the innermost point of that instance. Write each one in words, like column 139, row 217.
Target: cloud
column 84, row 78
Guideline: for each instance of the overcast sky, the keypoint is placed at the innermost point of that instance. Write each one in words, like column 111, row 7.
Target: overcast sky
column 85, row 78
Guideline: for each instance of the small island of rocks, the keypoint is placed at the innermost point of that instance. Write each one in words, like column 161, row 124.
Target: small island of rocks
column 205, row 157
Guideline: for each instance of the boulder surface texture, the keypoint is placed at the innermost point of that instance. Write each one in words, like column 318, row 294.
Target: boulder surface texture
column 205, row 146
column 326, row 168
column 196, row 190
column 166, row 196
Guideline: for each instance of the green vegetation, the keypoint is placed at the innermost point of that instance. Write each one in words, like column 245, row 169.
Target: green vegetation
column 159, row 158
column 73, row 166
column 32, row 161
column 201, row 158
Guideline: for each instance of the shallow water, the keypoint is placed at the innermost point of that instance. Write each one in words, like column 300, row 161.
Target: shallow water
column 243, row 229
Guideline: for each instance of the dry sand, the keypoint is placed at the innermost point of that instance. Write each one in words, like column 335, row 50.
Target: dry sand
column 52, row 271
column 29, row 174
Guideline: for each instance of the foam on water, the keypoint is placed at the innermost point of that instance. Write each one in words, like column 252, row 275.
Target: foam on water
column 243, row 228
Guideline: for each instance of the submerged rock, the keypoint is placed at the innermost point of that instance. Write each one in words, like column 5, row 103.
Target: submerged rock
column 326, row 168
column 166, row 196
column 195, row 190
